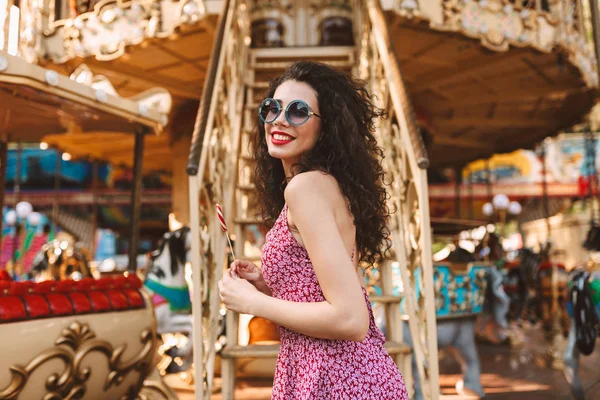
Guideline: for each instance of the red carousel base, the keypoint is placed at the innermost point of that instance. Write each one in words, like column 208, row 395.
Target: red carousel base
column 28, row 300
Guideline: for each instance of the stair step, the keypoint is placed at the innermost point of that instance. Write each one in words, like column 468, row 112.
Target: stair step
column 386, row 299
column 258, row 85
column 313, row 53
column 394, row 348
column 282, row 65
column 251, row 350
column 272, row 350
column 249, row 221
column 247, row 187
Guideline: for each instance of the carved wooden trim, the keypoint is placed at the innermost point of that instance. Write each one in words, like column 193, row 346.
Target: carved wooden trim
column 72, row 346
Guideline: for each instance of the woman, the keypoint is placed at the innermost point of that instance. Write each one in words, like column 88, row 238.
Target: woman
column 320, row 181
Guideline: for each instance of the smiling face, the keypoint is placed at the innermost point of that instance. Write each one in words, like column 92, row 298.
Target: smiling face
column 288, row 142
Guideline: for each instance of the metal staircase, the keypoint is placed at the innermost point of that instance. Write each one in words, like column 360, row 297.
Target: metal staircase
column 81, row 228
column 265, row 64
column 220, row 169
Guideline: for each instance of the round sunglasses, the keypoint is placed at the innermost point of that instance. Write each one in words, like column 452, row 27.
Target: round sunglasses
column 296, row 113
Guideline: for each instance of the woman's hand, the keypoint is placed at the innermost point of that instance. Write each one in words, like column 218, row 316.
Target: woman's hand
column 246, row 270
column 237, row 294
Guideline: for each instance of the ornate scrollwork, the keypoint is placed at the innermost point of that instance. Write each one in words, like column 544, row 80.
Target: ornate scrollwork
column 112, row 25
column 499, row 24
column 73, row 345
column 151, row 389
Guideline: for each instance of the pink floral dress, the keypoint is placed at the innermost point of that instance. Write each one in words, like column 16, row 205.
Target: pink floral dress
column 311, row 368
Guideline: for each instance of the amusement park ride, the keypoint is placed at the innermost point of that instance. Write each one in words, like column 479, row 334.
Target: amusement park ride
column 459, row 80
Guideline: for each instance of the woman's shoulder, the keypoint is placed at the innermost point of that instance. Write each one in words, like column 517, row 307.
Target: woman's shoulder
column 312, row 184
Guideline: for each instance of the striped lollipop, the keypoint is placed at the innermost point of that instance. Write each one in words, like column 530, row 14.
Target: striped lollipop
column 224, row 227
column 221, row 218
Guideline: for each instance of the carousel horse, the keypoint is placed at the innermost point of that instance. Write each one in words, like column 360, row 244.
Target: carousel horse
column 480, row 287
column 520, row 283
column 60, row 260
column 529, row 285
column 166, row 283
column 584, row 312
column 458, row 332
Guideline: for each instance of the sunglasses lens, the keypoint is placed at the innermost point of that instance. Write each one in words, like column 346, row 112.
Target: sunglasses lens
column 268, row 111
column 298, row 112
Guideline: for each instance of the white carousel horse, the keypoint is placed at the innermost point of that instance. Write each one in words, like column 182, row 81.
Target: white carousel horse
column 584, row 311
column 168, row 287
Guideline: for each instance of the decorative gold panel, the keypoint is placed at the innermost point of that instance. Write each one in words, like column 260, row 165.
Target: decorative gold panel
column 72, row 346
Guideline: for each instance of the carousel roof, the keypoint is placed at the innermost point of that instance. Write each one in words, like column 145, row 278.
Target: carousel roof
column 482, row 79
column 37, row 102
column 475, row 101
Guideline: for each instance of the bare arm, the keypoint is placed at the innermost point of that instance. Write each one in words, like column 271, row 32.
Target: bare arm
column 312, row 198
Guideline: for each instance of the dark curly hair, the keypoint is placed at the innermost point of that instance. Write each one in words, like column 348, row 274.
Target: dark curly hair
column 346, row 149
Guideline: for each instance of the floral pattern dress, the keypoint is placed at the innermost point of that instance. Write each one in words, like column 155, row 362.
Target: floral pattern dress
column 311, row 368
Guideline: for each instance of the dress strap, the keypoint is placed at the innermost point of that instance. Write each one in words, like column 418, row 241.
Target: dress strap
column 353, row 252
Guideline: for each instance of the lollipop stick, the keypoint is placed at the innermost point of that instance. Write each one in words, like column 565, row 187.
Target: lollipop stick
column 234, row 274
column 230, row 245
column 224, row 229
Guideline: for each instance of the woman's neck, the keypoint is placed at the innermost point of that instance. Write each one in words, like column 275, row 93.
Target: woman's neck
column 287, row 170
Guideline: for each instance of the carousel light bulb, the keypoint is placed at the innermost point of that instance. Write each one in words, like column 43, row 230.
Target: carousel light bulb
column 488, row 209
column 23, row 209
column 34, row 218
column 10, row 218
column 191, row 8
column 514, row 208
column 66, row 157
column 108, row 16
column 43, row 146
column 500, row 201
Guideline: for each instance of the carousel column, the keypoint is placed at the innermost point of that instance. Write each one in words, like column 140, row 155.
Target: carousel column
column 489, row 180
column 56, row 202
column 558, row 342
column 94, row 205
column 180, row 193
column 3, row 161
column 457, row 183
column 16, row 194
column 470, row 198
column 136, row 198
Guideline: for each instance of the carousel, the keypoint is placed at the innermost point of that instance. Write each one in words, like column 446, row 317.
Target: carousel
column 67, row 335
column 459, row 81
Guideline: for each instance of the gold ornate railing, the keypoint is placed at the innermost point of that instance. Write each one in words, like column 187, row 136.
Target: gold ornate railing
column 405, row 163
column 212, row 167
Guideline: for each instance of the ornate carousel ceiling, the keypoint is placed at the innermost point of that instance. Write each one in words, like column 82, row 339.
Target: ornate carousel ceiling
column 37, row 103
column 475, row 101
column 484, row 77
column 136, row 46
